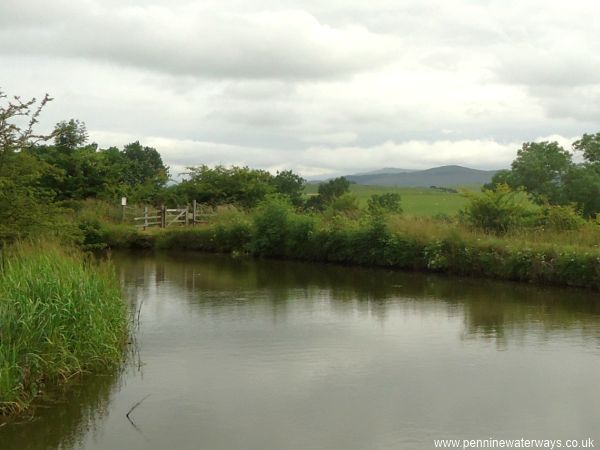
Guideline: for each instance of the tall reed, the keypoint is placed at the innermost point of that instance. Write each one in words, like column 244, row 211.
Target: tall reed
column 61, row 314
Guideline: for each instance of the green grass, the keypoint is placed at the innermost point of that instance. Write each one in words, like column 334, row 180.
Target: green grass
column 415, row 201
column 60, row 315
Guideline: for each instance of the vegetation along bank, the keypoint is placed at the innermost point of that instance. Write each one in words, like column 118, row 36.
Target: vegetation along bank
column 543, row 254
column 61, row 314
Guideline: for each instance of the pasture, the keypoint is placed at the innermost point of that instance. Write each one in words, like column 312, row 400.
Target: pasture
column 415, row 200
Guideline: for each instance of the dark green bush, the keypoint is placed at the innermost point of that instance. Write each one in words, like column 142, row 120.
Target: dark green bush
column 500, row 210
column 271, row 226
column 93, row 237
column 384, row 203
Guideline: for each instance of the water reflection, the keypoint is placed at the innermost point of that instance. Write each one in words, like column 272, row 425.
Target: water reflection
column 73, row 412
column 238, row 353
column 491, row 310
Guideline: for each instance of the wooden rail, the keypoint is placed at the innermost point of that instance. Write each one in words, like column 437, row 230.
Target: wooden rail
column 165, row 217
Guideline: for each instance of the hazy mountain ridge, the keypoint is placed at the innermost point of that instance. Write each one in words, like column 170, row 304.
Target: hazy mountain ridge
column 437, row 176
column 385, row 170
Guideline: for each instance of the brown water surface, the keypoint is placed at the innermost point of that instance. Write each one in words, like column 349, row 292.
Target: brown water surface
column 244, row 354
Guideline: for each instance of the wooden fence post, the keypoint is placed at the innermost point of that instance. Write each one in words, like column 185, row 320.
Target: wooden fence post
column 145, row 217
column 163, row 216
column 194, row 207
column 187, row 219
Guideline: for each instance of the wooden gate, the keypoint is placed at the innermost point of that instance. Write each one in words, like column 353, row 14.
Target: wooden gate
column 166, row 217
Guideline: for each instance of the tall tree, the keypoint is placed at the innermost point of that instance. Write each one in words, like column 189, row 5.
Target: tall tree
column 144, row 165
column 589, row 145
column 14, row 137
column 290, row 184
column 70, row 135
column 25, row 205
column 220, row 185
column 582, row 187
column 541, row 167
column 333, row 189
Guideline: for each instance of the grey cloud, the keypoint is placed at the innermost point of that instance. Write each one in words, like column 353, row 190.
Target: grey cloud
column 580, row 103
column 312, row 85
column 192, row 40
column 551, row 67
column 563, row 81
column 265, row 116
column 258, row 90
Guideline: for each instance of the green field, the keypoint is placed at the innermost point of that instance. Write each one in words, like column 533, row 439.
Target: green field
column 415, row 201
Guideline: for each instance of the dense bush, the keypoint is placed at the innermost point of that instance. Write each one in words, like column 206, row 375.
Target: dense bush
column 560, row 218
column 499, row 210
column 271, row 226
column 384, row 203
column 346, row 204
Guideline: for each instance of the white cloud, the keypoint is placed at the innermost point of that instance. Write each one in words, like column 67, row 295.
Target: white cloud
column 198, row 41
column 321, row 87
column 316, row 161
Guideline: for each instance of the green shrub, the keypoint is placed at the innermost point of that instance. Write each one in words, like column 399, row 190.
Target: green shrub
column 560, row 218
column 271, row 226
column 500, row 210
column 125, row 236
column 93, row 237
column 300, row 234
column 435, row 256
column 384, row 203
column 235, row 237
column 346, row 204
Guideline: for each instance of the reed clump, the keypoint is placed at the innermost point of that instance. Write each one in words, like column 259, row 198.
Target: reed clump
column 61, row 314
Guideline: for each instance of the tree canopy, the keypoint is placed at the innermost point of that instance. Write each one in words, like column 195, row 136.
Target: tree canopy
column 237, row 185
column 548, row 173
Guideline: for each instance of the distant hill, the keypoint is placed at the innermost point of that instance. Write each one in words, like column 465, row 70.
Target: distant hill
column 445, row 176
column 386, row 170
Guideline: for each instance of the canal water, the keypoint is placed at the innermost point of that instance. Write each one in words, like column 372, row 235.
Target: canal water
column 243, row 354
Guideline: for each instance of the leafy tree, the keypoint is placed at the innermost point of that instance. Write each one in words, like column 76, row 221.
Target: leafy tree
column 589, row 144
column 70, row 135
column 333, row 189
column 14, row 137
column 221, row 185
column 547, row 171
column 504, row 176
column 144, row 165
column 328, row 192
column 25, row 205
column 582, row 187
column 114, row 167
column 541, row 167
column 72, row 160
column 290, row 184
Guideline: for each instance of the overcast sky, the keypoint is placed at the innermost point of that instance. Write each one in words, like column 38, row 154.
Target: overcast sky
column 321, row 87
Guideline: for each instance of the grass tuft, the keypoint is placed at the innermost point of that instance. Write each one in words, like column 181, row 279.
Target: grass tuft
column 61, row 314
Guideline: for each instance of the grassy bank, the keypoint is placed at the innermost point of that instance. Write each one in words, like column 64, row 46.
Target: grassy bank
column 570, row 258
column 60, row 315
